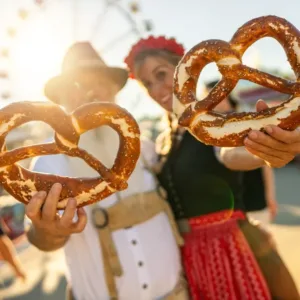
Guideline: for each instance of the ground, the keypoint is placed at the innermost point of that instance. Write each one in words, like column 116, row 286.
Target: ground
column 46, row 270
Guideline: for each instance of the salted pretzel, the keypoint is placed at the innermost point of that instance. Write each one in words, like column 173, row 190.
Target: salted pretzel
column 230, row 129
column 22, row 183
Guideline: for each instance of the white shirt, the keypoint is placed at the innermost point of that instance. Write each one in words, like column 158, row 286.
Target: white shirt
column 148, row 252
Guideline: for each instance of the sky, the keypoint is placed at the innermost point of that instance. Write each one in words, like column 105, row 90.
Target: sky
column 38, row 48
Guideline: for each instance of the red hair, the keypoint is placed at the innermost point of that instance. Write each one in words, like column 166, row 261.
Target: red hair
column 159, row 43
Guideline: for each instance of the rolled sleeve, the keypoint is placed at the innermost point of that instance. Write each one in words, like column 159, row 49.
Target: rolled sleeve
column 217, row 151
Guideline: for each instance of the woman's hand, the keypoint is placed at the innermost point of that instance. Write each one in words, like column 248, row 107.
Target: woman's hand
column 49, row 230
column 278, row 147
column 273, row 208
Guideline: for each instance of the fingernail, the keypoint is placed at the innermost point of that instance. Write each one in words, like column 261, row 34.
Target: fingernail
column 248, row 142
column 40, row 194
column 253, row 135
column 73, row 202
column 70, row 201
column 43, row 194
column 81, row 210
column 57, row 186
column 269, row 129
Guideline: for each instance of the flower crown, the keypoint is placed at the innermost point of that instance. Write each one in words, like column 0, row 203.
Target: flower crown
column 152, row 43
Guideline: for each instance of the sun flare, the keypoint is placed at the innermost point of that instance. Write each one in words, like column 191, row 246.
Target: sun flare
column 37, row 56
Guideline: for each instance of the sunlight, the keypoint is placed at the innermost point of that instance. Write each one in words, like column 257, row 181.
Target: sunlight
column 135, row 99
column 37, row 55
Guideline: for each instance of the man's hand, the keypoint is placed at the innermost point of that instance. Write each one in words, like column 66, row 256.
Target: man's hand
column 48, row 226
column 22, row 275
column 278, row 147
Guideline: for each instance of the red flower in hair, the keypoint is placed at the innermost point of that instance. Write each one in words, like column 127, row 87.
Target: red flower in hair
column 152, row 43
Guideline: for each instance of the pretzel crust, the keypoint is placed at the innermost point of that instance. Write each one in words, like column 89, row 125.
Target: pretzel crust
column 23, row 184
column 230, row 129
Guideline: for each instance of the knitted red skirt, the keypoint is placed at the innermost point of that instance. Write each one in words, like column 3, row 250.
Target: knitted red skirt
column 218, row 261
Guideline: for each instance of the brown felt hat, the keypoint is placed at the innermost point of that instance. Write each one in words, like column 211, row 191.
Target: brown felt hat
column 81, row 57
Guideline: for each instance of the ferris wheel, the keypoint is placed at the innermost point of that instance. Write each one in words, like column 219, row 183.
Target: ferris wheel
column 41, row 29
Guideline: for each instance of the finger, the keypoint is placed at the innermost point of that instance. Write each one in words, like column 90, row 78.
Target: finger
column 268, row 149
column 66, row 220
column 268, row 141
column 261, row 105
column 49, row 209
column 285, row 136
column 33, row 208
column 271, row 161
column 81, row 222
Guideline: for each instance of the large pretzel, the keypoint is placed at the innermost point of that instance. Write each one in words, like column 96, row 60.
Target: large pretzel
column 230, row 129
column 22, row 183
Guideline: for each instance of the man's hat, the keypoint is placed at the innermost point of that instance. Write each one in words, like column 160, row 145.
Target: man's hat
column 83, row 57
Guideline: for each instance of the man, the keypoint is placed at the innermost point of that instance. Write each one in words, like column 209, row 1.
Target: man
column 139, row 260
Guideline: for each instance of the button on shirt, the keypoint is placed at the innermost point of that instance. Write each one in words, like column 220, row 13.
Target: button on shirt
column 148, row 252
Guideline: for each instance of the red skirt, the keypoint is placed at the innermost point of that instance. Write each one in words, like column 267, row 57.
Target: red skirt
column 218, row 261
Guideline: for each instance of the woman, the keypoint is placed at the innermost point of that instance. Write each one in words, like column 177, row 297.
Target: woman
column 225, row 257
column 259, row 192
